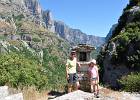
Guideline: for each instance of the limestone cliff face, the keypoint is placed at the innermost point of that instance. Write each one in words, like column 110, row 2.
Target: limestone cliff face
column 49, row 21
column 121, row 54
column 76, row 36
column 17, row 6
column 31, row 11
column 34, row 7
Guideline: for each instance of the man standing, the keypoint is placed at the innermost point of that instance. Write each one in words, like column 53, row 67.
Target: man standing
column 71, row 73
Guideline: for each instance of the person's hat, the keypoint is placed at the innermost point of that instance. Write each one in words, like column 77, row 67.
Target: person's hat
column 73, row 51
column 93, row 61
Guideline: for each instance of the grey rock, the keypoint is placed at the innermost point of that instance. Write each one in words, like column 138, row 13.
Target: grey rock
column 3, row 91
column 13, row 37
column 34, row 7
column 18, row 96
column 110, row 32
column 48, row 19
column 76, row 95
column 135, row 9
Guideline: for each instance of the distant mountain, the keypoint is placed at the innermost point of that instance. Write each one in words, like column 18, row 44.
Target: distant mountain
column 32, row 11
column 74, row 36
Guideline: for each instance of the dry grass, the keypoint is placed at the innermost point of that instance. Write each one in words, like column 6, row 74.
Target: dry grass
column 32, row 94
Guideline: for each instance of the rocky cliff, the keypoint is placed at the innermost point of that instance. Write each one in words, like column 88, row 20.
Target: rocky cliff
column 121, row 55
column 76, row 36
column 32, row 11
column 25, row 20
column 49, row 21
column 109, row 35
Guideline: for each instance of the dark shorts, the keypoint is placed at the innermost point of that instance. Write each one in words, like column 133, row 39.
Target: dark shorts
column 94, row 79
column 73, row 78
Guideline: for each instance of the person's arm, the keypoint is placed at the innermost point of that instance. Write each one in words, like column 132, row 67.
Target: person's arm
column 97, row 69
column 78, row 65
column 67, row 65
column 89, row 73
column 66, row 71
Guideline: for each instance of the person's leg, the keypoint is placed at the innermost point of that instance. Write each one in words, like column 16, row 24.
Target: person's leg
column 69, row 88
column 70, row 83
column 77, row 85
column 97, row 86
column 96, row 89
column 75, row 80
column 74, row 87
column 92, row 86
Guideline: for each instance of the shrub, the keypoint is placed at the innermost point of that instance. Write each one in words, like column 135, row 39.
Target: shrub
column 36, row 40
column 55, row 71
column 17, row 70
column 18, row 17
column 133, row 60
column 131, row 83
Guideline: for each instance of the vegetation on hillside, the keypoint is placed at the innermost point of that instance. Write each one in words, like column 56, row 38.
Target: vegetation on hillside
column 19, row 71
column 55, row 70
column 131, row 82
column 23, row 66
column 126, row 38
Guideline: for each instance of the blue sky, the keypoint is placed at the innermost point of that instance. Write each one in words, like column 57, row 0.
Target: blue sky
column 93, row 17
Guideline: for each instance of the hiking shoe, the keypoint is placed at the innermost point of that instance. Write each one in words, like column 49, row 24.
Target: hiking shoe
column 96, row 95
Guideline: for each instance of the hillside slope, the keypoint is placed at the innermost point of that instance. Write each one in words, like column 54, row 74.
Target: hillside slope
column 121, row 55
column 22, row 28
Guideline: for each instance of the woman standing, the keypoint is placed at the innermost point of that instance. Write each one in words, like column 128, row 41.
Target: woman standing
column 71, row 73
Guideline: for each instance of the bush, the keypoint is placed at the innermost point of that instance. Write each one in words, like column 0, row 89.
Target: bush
column 131, row 83
column 17, row 70
column 55, row 71
column 36, row 39
column 18, row 17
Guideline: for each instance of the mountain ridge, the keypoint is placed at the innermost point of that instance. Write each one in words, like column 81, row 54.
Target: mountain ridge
column 31, row 10
column 74, row 36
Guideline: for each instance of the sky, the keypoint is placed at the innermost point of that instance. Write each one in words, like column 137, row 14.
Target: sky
column 93, row 17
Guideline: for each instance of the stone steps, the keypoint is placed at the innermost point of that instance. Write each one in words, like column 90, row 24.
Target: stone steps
column 4, row 94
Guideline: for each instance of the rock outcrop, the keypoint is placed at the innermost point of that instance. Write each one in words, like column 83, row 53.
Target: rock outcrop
column 121, row 54
column 49, row 21
column 109, row 35
column 5, row 95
